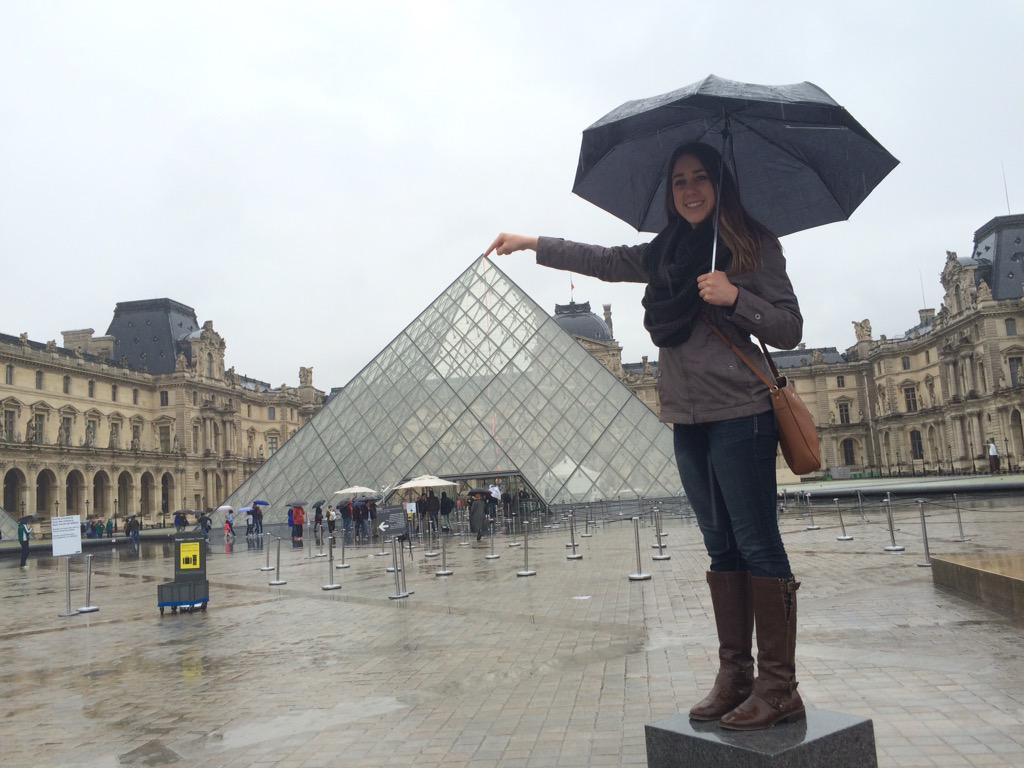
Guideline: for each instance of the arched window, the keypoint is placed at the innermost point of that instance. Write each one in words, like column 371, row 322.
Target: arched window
column 906, row 363
column 39, row 379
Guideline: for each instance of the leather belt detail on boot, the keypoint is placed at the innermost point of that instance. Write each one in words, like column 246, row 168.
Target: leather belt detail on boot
column 734, row 621
column 774, row 697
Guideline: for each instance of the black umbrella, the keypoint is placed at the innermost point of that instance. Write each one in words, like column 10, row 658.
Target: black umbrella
column 296, row 504
column 27, row 519
column 799, row 158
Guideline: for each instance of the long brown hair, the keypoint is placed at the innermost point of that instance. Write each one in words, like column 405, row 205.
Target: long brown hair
column 740, row 232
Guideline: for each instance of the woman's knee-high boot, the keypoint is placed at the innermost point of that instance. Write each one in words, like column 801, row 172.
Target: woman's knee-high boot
column 734, row 619
column 774, row 697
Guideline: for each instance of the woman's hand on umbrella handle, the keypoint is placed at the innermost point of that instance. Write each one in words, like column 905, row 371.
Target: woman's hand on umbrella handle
column 716, row 288
column 506, row 243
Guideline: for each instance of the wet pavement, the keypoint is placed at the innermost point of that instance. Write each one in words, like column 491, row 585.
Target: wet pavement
column 486, row 669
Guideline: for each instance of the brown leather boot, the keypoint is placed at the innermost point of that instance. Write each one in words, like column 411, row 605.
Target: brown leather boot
column 774, row 697
column 734, row 619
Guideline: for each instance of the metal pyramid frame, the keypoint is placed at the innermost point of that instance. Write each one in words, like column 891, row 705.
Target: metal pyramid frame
column 482, row 381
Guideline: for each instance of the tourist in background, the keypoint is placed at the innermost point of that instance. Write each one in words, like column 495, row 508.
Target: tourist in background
column 24, row 534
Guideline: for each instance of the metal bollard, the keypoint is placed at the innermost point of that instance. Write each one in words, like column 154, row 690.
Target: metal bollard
column 639, row 575
column 330, row 568
column 342, row 565
column 660, row 546
column 88, row 607
column 67, row 590
column 493, row 555
column 268, row 566
column 959, row 520
column 842, row 525
column 381, row 552
column 278, row 581
column 810, row 514
column 444, row 570
column 574, row 555
column 399, row 593
column 321, row 553
column 893, row 547
column 924, row 537
column 401, row 566
column 586, row 524
column 860, row 506
column 526, row 552
column 431, row 540
column 512, row 541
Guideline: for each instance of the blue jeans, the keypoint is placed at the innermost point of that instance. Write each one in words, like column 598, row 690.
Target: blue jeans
column 728, row 473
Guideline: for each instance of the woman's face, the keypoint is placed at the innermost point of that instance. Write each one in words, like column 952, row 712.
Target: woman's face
column 692, row 190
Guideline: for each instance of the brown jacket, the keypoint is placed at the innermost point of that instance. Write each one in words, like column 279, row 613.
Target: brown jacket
column 701, row 379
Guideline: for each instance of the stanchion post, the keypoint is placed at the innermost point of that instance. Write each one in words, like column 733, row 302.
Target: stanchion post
column 444, row 570
column 399, row 593
column 860, row 506
column 331, row 584
column 512, row 541
column 401, row 567
column 574, row 555
column 67, row 589
column 810, row 514
column 526, row 552
column 88, row 607
column 959, row 520
column 586, row 523
column 893, row 546
column 660, row 546
column 278, row 581
column 493, row 555
column 639, row 575
column 266, row 544
column 343, row 565
column 842, row 524
column 431, row 539
column 924, row 537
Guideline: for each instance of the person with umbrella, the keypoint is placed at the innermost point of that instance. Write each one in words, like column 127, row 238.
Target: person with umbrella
column 715, row 275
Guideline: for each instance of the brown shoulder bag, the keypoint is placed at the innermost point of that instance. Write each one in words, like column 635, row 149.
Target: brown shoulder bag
column 798, row 437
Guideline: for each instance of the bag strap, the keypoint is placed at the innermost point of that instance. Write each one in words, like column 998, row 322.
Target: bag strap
column 757, row 372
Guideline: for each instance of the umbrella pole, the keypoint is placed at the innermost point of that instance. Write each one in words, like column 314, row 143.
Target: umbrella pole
column 726, row 136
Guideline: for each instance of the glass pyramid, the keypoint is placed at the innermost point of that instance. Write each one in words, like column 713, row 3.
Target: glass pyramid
column 483, row 381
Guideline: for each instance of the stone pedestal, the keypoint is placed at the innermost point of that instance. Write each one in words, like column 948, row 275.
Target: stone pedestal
column 824, row 738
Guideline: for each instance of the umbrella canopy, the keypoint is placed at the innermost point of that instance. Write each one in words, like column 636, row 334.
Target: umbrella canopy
column 799, row 158
column 27, row 519
column 296, row 504
column 424, row 481
column 355, row 490
column 261, row 503
column 223, row 508
column 245, row 510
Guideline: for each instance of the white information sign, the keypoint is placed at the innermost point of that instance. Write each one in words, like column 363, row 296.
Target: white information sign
column 67, row 535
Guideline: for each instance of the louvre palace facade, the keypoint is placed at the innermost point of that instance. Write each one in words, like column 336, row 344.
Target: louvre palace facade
column 145, row 419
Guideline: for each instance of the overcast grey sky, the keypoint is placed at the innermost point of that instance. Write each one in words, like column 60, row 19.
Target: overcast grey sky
column 309, row 176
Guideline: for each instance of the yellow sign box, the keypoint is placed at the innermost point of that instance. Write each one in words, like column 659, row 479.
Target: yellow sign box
column 189, row 555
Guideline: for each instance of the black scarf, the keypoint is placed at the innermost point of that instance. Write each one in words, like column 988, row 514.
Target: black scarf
column 675, row 259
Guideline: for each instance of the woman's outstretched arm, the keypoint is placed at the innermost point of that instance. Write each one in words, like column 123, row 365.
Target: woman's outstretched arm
column 622, row 263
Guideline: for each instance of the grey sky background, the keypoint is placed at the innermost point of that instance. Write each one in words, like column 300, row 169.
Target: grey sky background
column 310, row 176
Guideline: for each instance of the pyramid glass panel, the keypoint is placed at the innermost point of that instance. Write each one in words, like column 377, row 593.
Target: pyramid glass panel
column 482, row 381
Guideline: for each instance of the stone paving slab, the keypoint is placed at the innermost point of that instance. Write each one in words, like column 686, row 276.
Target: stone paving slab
column 487, row 669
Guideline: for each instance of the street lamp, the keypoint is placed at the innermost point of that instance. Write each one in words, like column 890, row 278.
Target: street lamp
column 949, row 452
column 1006, row 452
column 899, row 463
column 56, row 507
column 115, row 513
column 970, row 447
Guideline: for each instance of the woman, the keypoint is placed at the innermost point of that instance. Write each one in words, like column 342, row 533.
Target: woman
column 725, row 434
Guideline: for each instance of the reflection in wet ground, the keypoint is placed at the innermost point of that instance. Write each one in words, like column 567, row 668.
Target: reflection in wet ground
column 484, row 669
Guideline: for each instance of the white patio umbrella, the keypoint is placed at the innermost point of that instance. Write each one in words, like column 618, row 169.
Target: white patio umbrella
column 355, row 490
column 225, row 509
column 425, row 481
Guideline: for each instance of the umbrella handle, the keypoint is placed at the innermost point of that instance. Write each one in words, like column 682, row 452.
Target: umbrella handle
column 726, row 136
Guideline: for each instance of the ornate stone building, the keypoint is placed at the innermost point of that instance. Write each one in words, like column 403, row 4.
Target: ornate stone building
column 930, row 400
column 596, row 336
column 143, row 420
